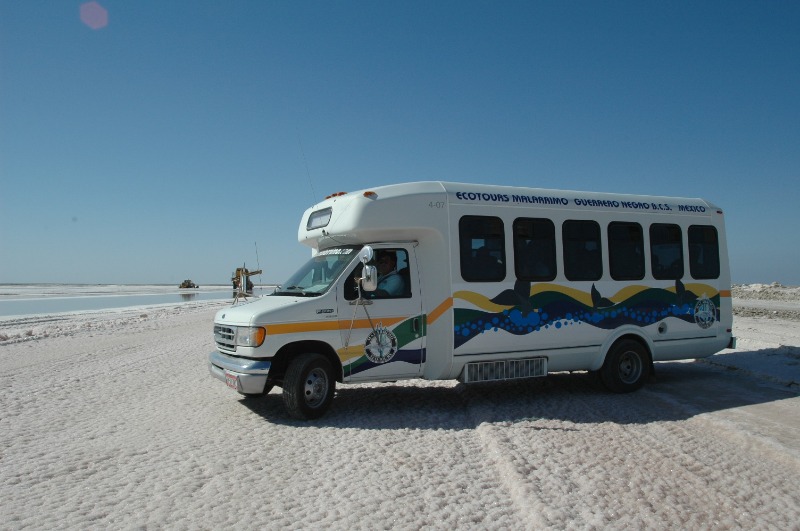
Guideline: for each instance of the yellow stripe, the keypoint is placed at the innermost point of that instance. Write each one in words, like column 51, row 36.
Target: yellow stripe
column 626, row 293
column 439, row 310
column 364, row 323
column 319, row 326
column 725, row 293
column 481, row 301
column 699, row 289
column 299, row 328
column 353, row 351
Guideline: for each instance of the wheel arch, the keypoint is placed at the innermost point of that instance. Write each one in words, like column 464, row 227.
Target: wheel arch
column 281, row 360
column 622, row 334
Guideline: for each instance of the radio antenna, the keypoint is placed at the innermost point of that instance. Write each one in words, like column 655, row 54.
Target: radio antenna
column 308, row 173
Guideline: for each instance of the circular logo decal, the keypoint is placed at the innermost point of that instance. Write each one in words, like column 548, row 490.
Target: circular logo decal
column 381, row 345
column 705, row 313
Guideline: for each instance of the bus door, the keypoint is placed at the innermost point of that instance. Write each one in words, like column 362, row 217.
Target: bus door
column 383, row 334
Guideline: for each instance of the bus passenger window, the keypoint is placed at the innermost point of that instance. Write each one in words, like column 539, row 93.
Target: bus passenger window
column 703, row 252
column 534, row 249
column 583, row 259
column 625, row 251
column 482, row 248
column 666, row 251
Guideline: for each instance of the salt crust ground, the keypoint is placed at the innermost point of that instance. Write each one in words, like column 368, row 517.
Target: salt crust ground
column 109, row 420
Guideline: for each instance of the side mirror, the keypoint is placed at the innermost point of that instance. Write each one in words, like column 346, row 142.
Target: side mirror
column 369, row 273
column 369, row 278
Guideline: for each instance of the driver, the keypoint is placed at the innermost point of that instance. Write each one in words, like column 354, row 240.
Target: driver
column 389, row 280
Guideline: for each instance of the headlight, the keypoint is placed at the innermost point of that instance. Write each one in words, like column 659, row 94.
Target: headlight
column 250, row 336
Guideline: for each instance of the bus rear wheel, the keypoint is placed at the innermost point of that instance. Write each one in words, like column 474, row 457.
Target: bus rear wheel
column 626, row 367
column 308, row 386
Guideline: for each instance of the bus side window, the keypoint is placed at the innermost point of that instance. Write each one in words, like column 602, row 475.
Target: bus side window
column 401, row 269
column 582, row 254
column 666, row 251
column 703, row 252
column 482, row 248
column 625, row 250
column 392, row 289
column 534, row 249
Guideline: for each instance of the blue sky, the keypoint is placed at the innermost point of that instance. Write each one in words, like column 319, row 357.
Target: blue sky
column 182, row 136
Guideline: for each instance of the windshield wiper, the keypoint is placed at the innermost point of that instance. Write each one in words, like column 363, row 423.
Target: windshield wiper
column 296, row 290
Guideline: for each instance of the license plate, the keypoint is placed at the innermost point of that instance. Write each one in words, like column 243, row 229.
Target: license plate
column 232, row 380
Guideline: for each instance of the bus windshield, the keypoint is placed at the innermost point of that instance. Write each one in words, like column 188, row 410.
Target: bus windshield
column 316, row 276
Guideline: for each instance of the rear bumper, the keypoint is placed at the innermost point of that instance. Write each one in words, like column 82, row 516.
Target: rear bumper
column 251, row 375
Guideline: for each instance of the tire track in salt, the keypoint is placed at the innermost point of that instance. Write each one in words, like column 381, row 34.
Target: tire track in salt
column 699, row 465
column 523, row 495
column 664, row 466
column 676, row 476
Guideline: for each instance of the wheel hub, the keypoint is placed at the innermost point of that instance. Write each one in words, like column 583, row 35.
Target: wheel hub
column 316, row 387
column 630, row 367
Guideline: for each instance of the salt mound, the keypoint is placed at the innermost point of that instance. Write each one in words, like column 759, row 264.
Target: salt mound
column 771, row 292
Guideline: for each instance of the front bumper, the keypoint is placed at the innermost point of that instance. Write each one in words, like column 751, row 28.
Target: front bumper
column 250, row 375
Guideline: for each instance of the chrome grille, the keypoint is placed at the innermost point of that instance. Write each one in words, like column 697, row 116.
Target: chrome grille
column 225, row 337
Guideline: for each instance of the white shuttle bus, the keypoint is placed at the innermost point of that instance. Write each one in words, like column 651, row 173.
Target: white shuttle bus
column 440, row 280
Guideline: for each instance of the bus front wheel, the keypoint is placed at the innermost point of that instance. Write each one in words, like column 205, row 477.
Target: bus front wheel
column 626, row 367
column 309, row 386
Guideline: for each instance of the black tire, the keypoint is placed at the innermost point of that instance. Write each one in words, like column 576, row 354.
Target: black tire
column 308, row 386
column 626, row 367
